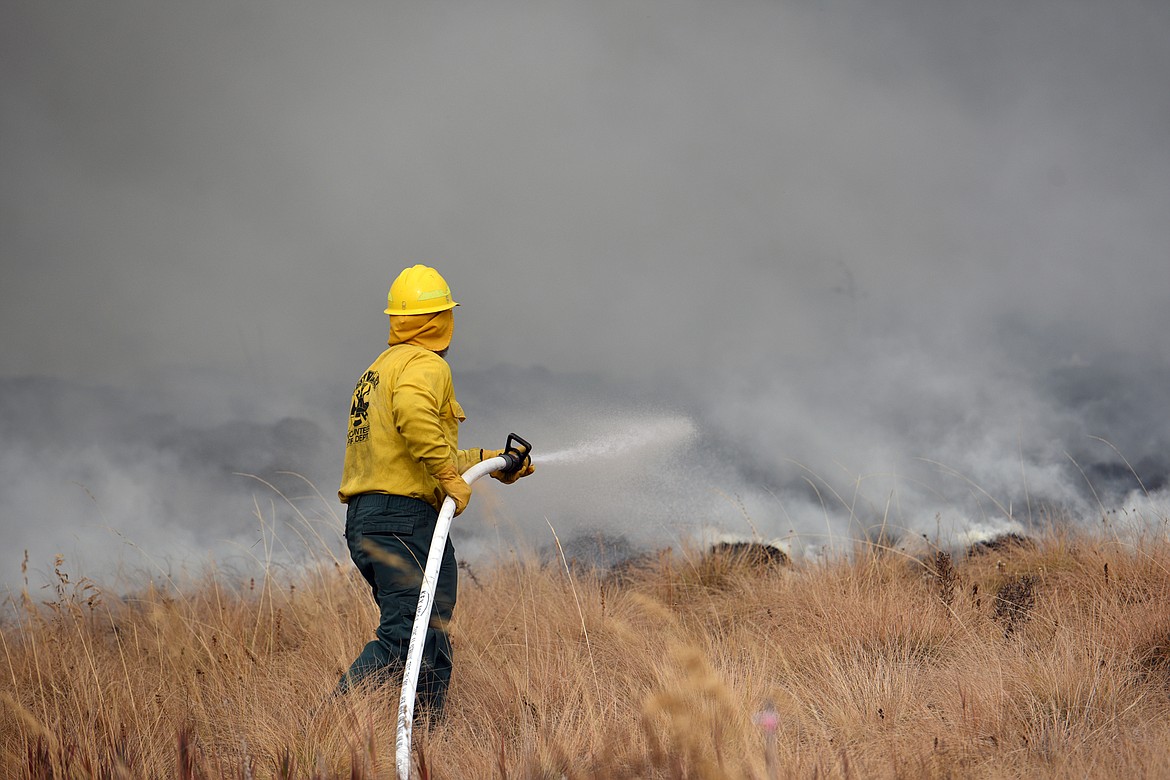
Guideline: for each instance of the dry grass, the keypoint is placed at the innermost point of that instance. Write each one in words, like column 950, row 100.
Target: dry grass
column 1048, row 660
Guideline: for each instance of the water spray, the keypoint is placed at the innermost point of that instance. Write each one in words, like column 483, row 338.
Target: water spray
column 517, row 452
column 634, row 434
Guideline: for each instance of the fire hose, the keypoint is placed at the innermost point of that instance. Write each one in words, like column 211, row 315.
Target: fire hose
column 516, row 455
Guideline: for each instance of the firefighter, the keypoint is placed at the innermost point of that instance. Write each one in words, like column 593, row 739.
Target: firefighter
column 401, row 461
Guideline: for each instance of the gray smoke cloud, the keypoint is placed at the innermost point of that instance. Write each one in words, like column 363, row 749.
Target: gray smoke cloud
column 822, row 265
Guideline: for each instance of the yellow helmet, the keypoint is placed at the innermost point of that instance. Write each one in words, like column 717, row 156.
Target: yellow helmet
column 419, row 290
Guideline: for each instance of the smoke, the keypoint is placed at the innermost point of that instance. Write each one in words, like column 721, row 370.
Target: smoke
column 115, row 484
column 896, row 263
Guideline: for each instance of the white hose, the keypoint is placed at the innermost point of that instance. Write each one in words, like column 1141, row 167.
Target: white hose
column 422, row 616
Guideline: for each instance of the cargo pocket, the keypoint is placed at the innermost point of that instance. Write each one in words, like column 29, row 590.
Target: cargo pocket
column 398, row 526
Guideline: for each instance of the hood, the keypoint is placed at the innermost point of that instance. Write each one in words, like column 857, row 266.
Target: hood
column 429, row 331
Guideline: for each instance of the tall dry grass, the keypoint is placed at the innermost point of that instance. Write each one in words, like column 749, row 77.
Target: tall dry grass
column 1044, row 660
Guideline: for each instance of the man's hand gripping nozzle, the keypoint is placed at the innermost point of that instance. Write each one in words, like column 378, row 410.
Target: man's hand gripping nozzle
column 518, row 454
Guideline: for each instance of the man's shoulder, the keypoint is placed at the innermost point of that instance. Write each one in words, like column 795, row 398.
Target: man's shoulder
column 411, row 358
column 413, row 353
column 409, row 353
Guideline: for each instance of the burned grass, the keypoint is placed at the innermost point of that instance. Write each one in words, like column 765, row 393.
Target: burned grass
column 1002, row 544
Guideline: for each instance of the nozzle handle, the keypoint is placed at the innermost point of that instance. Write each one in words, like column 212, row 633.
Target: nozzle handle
column 517, row 452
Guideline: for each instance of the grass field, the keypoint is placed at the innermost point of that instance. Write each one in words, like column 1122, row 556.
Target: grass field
column 1045, row 659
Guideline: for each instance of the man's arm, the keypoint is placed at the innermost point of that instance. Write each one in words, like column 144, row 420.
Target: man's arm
column 417, row 418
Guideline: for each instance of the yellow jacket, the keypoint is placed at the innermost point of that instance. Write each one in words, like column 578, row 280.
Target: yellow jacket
column 404, row 420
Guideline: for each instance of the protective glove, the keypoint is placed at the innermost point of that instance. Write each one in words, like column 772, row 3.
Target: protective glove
column 508, row 479
column 455, row 487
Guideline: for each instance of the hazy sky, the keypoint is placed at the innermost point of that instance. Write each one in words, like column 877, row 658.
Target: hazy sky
column 820, row 263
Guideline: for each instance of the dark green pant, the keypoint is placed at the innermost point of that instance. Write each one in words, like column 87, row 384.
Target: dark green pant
column 389, row 538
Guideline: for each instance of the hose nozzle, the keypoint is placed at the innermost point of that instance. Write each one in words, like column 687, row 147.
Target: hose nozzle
column 517, row 452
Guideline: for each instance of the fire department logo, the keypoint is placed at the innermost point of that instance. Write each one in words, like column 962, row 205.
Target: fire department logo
column 359, row 410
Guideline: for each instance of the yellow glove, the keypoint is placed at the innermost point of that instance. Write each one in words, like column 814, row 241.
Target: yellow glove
column 508, row 479
column 455, row 487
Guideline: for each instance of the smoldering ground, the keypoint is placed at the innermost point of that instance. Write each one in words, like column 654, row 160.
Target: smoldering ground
column 893, row 261
column 118, row 486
